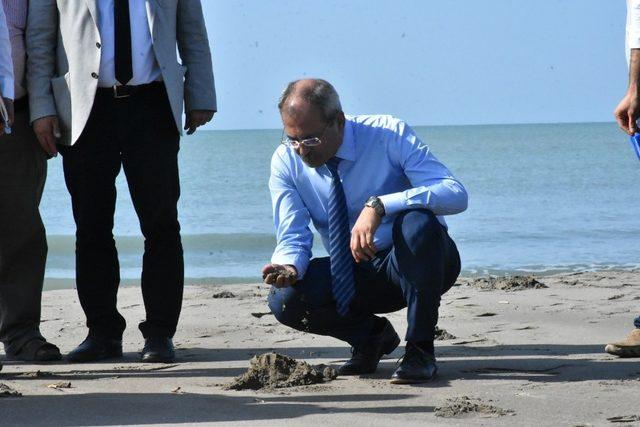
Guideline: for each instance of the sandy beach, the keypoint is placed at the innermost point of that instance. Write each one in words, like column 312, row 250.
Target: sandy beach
column 526, row 357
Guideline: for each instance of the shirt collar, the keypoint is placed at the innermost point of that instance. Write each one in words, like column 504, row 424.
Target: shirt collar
column 347, row 150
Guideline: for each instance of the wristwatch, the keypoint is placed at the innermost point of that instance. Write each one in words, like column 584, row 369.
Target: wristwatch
column 375, row 203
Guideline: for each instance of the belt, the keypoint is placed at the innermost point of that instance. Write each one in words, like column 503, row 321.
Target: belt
column 119, row 91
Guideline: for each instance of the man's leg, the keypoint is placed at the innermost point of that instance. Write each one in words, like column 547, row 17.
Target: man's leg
column 90, row 170
column 150, row 161
column 425, row 263
column 309, row 306
column 23, row 245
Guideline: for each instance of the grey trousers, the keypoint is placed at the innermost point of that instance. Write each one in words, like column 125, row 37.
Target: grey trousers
column 23, row 242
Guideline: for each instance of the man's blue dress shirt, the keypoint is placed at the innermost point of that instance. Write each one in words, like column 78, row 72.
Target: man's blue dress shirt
column 381, row 156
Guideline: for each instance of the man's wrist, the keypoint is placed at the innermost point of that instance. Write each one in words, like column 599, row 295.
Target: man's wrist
column 376, row 204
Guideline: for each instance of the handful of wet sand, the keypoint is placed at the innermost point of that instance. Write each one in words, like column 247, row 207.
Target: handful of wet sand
column 273, row 370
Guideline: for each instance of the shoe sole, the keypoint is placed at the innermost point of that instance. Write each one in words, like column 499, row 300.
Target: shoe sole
column 623, row 351
column 407, row 381
column 157, row 360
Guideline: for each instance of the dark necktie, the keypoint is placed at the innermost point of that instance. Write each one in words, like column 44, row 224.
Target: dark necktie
column 339, row 236
column 122, row 24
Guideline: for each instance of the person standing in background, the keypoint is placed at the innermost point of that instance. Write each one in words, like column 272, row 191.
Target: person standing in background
column 627, row 113
column 23, row 242
column 107, row 91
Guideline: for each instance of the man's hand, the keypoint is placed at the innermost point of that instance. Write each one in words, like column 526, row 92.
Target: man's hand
column 197, row 118
column 9, row 104
column 362, row 234
column 280, row 276
column 628, row 111
column 47, row 130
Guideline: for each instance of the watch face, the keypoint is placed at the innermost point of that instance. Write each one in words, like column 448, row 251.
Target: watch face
column 375, row 203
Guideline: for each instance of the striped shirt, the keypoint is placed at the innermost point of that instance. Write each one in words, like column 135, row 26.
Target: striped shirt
column 16, row 14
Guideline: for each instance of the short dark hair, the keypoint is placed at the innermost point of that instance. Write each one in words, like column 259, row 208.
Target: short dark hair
column 321, row 95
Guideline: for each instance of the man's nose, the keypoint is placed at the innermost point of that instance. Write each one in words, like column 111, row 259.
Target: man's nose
column 303, row 150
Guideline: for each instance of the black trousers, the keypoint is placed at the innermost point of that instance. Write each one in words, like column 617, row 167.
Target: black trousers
column 23, row 244
column 137, row 133
column 422, row 265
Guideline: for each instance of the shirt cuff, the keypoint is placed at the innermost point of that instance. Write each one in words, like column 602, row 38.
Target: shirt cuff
column 393, row 203
column 7, row 87
column 300, row 262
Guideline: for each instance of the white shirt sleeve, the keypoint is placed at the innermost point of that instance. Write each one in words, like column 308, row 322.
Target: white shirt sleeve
column 6, row 63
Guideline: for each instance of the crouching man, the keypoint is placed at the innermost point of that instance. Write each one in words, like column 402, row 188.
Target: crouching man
column 376, row 195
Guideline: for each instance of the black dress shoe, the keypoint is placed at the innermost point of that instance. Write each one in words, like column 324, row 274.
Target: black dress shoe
column 418, row 366
column 93, row 348
column 158, row 350
column 364, row 359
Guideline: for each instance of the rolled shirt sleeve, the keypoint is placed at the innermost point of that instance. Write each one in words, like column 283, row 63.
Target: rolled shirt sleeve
column 632, row 40
column 291, row 218
column 6, row 63
column 434, row 186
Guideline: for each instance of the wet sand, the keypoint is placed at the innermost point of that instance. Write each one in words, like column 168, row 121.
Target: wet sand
column 519, row 357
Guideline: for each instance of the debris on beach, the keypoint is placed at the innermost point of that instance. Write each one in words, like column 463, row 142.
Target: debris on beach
column 60, row 385
column 273, row 370
column 442, row 334
column 488, row 314
column 36, row 374
column 224, row 294
column 463, row 405
column 6, row 391
column 624, row 419
column 513, row 283
column 259, row 315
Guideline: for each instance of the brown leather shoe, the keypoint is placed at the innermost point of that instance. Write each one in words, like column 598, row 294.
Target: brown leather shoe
column 629, row 347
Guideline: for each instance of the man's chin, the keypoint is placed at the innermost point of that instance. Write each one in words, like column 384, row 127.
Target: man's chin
column 312, row 163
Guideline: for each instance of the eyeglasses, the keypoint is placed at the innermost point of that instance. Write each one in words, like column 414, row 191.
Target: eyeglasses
column 307, row 142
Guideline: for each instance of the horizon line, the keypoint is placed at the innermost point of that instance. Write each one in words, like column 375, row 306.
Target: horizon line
column 439, row 125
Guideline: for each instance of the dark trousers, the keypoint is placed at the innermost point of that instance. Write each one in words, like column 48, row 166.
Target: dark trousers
column 637, row 322
column 139, row 134
column 422, row 265
column 23, row 244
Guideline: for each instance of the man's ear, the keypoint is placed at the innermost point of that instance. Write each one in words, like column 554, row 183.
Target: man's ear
column 340, row 118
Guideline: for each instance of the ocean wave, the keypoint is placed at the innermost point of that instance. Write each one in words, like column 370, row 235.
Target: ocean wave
column 246, row 242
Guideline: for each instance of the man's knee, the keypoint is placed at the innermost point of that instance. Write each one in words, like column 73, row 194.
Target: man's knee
column 286, row 306
column 417, row 229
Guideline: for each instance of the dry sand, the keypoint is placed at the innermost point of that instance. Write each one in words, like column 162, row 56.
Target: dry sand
column 520, row 357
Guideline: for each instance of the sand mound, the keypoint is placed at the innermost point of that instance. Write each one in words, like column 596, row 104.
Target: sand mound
column 273, row 370
column 515, row 283
column 442, row 334
column 464, row 405
column 6, row 391
column 224, row 294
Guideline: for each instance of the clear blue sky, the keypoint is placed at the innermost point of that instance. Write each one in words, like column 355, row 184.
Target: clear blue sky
column 429, row 62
